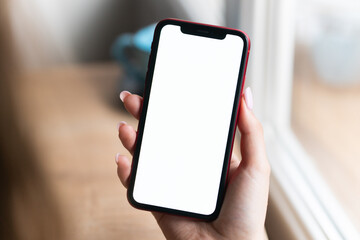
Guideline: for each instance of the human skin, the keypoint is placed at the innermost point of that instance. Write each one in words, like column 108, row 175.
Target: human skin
column 242, row 215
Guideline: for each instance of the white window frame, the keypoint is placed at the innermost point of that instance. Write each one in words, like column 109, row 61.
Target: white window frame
column 298, row 194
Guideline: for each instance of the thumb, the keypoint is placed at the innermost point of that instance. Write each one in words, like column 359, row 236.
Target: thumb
column 252, row 145
column 244, row 208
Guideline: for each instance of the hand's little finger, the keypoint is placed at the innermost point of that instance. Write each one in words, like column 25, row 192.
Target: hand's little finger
column 124, row 168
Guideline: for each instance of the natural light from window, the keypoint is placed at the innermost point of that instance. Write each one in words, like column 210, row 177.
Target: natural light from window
column 326, row 94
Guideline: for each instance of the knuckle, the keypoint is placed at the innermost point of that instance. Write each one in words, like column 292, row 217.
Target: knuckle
column 267, row 169
column 259, row 128
column 263, row 166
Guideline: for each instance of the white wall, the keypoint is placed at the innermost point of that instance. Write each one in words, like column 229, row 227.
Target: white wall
column 206, row 11
column 51, row 32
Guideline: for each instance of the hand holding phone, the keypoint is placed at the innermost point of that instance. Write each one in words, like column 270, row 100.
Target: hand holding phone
column 243, row 212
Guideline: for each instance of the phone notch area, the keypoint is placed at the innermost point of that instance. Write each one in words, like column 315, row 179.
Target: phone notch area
column 204, row 31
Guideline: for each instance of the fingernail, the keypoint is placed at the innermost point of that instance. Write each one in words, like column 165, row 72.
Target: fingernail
column 120, row 124
column 249, row 98
column 117, row 157
column 123, row 94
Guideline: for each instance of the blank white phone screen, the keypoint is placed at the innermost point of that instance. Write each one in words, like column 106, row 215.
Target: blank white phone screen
column 187, row 122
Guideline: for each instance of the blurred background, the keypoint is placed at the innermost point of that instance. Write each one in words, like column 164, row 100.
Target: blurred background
column 74, row 57
column 325, row 113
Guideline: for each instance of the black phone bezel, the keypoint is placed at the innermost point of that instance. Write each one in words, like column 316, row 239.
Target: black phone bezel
column 205, row 31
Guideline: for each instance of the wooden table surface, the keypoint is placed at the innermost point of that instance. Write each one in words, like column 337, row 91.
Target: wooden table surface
column 72, row 113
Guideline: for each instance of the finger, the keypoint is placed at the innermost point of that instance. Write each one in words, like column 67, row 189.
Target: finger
column 124, row 168
column 252, row 145
column 127, row 136
column 132, row 103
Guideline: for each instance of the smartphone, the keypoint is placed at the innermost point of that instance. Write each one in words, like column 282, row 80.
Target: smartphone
column 187, row 125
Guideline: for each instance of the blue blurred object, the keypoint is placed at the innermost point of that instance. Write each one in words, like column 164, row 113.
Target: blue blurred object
column 132, row 52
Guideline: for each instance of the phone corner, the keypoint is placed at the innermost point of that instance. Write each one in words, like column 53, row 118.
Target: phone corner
column 131, row 199
column 213, row 216
column 165, row 22
column 248, row 42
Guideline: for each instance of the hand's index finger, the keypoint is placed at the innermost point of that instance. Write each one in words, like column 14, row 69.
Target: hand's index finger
column 132, row 103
